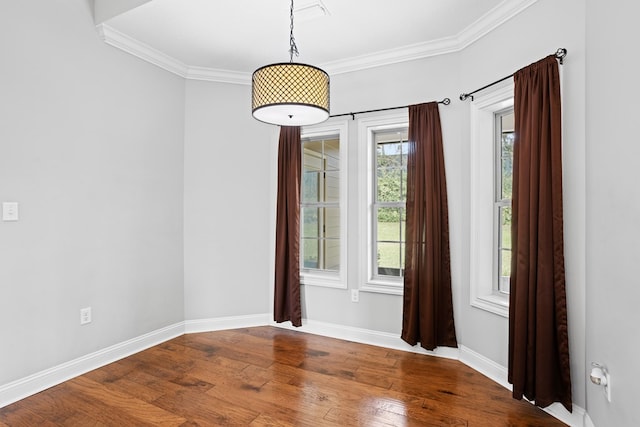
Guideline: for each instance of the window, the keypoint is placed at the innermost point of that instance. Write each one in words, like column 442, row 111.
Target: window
column 322, row 207
column 383, row 150
column 491, row 171
column 389, row 207
column 504, row 135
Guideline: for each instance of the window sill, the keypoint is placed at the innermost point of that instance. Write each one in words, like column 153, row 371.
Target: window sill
column 327, row 281
column 384, row 287
column 493, row 303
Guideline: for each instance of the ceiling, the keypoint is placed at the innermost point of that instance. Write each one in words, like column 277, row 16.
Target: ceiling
column 225, row 40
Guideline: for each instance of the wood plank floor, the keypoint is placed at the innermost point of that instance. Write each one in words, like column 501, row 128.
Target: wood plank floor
column 268, row 376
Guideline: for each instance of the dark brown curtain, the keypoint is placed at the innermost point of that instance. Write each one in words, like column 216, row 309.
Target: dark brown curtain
column 287, row 276
column 538, row 339
column 427, row 306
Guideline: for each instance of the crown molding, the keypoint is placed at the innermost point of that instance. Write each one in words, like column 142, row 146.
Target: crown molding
column 491, row 20
column 474, row 32
column 221, row 76
column 478, row 29
column 119, row 40
column 143, row 51
column 393, row 56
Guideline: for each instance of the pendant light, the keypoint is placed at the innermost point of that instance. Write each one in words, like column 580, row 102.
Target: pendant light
column 290, row 93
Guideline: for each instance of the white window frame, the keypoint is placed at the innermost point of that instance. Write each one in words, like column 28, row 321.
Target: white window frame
column 366, row 150
column 331, row 279
column 483, row 245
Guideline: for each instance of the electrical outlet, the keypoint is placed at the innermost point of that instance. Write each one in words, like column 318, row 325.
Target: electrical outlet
column 10, row 211
column 85, row 315
column 355, row 295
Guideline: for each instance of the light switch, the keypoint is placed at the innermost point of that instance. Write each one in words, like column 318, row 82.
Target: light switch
column 10, row 211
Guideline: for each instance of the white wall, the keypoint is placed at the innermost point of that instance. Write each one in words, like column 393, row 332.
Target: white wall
column 613, row 209
column 91, row 148
column 532, row 35
column 228, row 203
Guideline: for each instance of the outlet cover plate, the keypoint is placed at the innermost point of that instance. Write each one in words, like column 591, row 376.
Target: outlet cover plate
column 10, row 211
column 85, row 315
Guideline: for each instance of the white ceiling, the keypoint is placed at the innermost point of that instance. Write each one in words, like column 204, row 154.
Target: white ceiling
column 226, row 40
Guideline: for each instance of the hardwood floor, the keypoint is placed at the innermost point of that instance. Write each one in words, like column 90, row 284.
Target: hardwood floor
column 268, row 376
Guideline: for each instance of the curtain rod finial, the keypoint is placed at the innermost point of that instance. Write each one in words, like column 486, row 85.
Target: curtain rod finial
column 560, row 54
column 445, row 101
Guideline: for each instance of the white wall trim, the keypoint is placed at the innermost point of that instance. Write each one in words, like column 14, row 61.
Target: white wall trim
column 145, row 52
column 587, row 421
column 220, row 76
column 24, row 387
column 222, row 323
column 485, row 24
column 498, row 373
column 485, row 366
column 366, row 336
column 35, row 383
column 491, row 20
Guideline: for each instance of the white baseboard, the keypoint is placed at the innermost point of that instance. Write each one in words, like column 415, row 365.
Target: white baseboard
column 35, row 383
column 222, row 323
column 476, row 361
column 366, row 336
column 577, row 418
column 24, row 387
column 485, row 366
column 498, row 373
column 587, row 421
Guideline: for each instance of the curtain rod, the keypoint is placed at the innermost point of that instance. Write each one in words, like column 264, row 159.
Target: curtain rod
column 560, row 54
column 445, row 101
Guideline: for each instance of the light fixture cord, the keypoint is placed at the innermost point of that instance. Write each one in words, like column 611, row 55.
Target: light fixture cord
column 292, row 41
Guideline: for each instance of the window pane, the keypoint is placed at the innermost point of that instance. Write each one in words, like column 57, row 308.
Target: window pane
column 405, row 153
column 320, row 186
column 505, row 270
column 332, row 152
column 389, row 183
column 389, row 257
column 505, row 227
column 331, row 254
column 389, row 155
column 310, row 222
column 331, row 187
column 507, row 164
column 310, row 253
column 389, row 198
column 389, row 224
column 403, row 185
column 331, row 224
column 310, row 186
column 504, row 140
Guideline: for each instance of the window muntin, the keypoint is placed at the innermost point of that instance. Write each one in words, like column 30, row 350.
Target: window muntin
column 389, row 203
column 320, row 204
column 504, row 139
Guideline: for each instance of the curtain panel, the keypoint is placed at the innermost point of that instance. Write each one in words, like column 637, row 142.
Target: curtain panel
column 286, row 305
column 539, row 365
column 427, row 300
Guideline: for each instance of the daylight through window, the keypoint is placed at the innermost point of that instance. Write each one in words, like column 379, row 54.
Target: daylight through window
column 389, row 213
column 320, row 204
column 504, row 179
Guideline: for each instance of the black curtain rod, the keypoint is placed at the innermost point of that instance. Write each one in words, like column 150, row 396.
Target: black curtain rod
column 560, row 54
column 445, row 101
